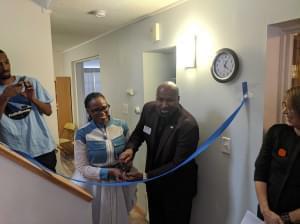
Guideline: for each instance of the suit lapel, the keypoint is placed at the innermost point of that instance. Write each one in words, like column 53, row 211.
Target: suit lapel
column 154, row 131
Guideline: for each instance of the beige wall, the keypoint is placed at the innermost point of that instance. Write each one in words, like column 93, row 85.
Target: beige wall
column 58, row 59
column 26, row 38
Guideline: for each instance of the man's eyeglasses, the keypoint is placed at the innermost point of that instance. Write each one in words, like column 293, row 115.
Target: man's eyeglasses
column 101, row 109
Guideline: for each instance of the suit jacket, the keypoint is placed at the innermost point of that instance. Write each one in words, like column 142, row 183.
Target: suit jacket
column 280, row 171
column 177, row 141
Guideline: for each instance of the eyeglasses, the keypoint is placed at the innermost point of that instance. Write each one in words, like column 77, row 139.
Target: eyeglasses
column 286, row 110
column 100, row 109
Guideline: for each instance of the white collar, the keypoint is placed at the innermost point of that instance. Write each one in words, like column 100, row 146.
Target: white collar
column 297, row 131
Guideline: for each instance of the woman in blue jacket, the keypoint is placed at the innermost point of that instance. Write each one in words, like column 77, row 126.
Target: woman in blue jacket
column 98, row 145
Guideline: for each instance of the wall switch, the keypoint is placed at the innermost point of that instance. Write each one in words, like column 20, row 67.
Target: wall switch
column 137, row 110
column 125, row 108
column 226, row 145
column 130, row 92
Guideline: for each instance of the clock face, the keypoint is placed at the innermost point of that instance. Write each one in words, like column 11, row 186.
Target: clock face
column 225, row 65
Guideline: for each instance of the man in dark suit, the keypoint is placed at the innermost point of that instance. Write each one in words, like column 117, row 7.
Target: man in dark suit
column 171, row 134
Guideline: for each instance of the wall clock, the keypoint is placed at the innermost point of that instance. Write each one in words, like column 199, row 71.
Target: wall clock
column 225, row 65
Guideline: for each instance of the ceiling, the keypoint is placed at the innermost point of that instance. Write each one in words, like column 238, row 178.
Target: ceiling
column 72, row 25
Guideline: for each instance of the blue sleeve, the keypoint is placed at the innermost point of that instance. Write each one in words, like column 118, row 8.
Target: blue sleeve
column 40, row 92
column 80, row 136
column 104, row 174
column 125, row 128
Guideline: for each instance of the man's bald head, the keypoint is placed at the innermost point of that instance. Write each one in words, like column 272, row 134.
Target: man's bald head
column 167, row 98
column 170, row 87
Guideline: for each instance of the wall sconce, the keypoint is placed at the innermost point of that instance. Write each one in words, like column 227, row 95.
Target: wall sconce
column 156, row 32
column 189, row 49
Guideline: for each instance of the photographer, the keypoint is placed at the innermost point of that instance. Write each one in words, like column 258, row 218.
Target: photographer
column 23, row 101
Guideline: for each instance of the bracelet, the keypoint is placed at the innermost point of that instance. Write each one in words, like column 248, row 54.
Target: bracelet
column 285, row 218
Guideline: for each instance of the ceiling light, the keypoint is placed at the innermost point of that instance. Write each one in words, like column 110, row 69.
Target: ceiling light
column 98, row 13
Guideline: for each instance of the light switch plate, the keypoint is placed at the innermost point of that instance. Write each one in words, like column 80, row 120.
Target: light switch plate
column 226, row 145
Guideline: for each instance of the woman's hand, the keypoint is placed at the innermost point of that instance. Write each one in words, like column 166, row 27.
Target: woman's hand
column 116, row 173
column 295, row 215
column 271, row 217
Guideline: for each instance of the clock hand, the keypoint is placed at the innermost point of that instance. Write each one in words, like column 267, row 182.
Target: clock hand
column 225, row 64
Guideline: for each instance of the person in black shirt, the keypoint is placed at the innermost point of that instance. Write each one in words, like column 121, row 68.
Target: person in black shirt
column 277, row 167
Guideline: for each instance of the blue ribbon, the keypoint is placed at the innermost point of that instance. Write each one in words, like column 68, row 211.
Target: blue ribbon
column 211, row 139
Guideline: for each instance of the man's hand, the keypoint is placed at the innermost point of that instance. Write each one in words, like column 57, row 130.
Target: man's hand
column 271, row 217
column 12, row 90
column 135, row 175
column 29, row 91
column 126, row 156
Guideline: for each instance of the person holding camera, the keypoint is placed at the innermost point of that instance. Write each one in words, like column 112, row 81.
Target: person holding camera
column 23, row 102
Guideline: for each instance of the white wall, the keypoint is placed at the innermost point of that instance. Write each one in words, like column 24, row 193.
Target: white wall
column 26, row 38
column 58, row 58
column 157, row 68
column 27, row 198
column 226, row 186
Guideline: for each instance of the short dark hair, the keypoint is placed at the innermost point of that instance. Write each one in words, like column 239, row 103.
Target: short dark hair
column 2, row 51
column 91, row 96
column 293, row 97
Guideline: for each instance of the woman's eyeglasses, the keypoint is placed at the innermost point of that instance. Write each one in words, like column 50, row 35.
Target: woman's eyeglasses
column 100, row 109
column 286, row 110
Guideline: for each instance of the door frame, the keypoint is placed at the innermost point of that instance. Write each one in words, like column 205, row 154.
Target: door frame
column 74, row 87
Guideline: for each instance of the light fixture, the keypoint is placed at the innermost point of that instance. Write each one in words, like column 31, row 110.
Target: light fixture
column 156, row 32
column 98, row 13
column 189, row 48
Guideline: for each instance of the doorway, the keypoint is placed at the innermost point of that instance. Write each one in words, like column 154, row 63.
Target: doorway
column 281, row 74
column 87, row 80
column 63, row 101
column 158, row 66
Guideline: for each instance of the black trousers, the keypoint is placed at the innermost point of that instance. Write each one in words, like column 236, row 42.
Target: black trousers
column 48, row 160
column 165, row 208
